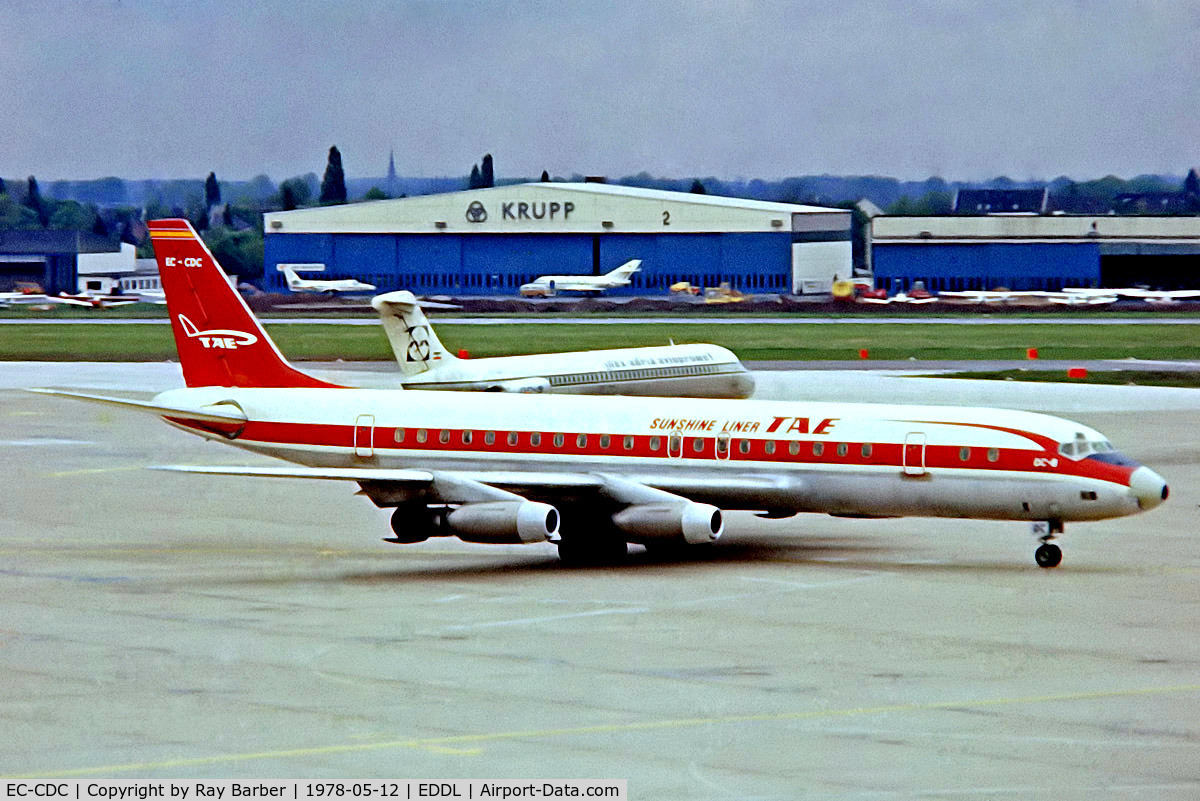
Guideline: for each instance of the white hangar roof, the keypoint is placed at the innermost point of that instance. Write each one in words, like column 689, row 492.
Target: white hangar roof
column 559, row 208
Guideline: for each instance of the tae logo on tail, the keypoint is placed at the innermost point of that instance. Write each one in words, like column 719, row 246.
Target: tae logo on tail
column 217, row 338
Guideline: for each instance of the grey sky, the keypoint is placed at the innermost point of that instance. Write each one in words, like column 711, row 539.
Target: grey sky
column 750, row 88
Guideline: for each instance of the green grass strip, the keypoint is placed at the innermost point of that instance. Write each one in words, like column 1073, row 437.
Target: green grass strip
column 1143, row 378
column 750, row 341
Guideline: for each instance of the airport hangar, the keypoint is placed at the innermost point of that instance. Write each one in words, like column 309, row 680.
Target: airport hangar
column 490, row 241
column 1035, row 252
column 54, row 260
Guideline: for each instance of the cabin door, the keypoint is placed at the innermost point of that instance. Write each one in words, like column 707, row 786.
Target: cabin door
column 675, row 444
column 364, row 435
column 723, row 445
column 914, row 453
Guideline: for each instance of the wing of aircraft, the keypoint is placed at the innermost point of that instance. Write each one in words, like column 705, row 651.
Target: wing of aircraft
column 595, row 473
column 63, row 299
column 1004, row 297
column 900, row 298
column 96, row 301
column 25, row 299
column 1139, row 293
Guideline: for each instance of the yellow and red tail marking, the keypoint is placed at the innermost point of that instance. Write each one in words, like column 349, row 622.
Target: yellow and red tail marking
column 220, row 343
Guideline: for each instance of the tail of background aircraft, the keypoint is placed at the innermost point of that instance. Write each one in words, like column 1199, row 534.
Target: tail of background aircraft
column 220, row 343
column 294, row 281
column 416, row 346
column 627, row 269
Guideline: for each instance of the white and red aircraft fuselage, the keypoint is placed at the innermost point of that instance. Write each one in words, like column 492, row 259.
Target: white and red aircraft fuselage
column 594, row 473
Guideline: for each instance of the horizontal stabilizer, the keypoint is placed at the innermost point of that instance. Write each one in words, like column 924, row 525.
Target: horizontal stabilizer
column 403, row 299
column 213, row 413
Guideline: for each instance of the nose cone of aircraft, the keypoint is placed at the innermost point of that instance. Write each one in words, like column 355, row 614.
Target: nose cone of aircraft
column 1148, row 487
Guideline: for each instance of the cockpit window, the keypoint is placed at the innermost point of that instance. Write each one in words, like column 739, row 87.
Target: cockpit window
column 1081, row 447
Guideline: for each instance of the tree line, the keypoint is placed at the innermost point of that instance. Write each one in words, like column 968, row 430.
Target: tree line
column 229, row 213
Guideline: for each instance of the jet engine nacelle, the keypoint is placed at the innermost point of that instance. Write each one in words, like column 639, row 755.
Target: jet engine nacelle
column 503, row 522
column 693, row 523
column 528, row 385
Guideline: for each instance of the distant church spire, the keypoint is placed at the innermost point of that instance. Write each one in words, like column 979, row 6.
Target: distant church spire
column 392, row 183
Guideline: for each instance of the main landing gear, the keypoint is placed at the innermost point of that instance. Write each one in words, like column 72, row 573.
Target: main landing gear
column 594, row 551
column 1048, row 554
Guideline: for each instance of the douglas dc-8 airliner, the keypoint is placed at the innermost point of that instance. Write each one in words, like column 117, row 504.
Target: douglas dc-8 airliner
column 595, row 473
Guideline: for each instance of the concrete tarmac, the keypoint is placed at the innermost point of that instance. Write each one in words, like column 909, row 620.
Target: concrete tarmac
column 180, row 626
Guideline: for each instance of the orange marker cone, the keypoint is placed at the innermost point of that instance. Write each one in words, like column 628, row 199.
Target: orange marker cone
column 863, row 353
column 1031, row 353
column 463, row 354
column 1077, row 372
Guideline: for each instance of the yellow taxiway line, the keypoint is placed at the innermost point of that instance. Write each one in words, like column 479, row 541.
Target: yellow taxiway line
column 462, row 743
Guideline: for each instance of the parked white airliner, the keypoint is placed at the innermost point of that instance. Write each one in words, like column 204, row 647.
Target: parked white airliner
column 594, row 473
column 549, row 285
column 691, row 371
column 328, row 287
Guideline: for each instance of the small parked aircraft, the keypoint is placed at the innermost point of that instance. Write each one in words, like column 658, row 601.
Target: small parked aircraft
column 329, row 287
column 550, row 285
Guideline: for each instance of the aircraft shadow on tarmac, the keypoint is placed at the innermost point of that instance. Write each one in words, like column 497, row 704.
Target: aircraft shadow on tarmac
column 841, row 554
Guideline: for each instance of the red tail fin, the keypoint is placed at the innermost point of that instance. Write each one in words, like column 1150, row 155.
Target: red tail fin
column 220, row 343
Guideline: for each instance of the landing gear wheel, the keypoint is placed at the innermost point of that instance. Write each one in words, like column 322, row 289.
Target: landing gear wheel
column 1048, row 555
column 588, row 552
column 677, row 551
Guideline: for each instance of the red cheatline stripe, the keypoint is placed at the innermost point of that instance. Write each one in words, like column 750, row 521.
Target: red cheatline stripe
column 887, row 454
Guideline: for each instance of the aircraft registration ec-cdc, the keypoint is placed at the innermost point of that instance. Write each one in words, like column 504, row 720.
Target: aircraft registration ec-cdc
column 595, row 473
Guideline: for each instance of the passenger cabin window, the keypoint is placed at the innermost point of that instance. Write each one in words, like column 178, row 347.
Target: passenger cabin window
column 444, row 436
column 842, row 449
column 467, row 437
column 489, row 438
column 605, row 441
column 964, row 454
column 535, row 439
column 818, row 448
column 581, row 441
column 993, row 454
column 629, row 443
column 794, row 448
column 512, row 437
column 770, row 446
column 744, row 445
column 399, row 435
column 422, row 435
column 697, row 444
column 723, row 445
column 655, row 443
column 866, row 450
column 558, row 440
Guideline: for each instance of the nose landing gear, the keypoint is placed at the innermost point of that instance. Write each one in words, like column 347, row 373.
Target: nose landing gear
column 1048, row 554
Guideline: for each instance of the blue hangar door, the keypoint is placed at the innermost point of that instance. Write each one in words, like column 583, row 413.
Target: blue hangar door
column 499, row 264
